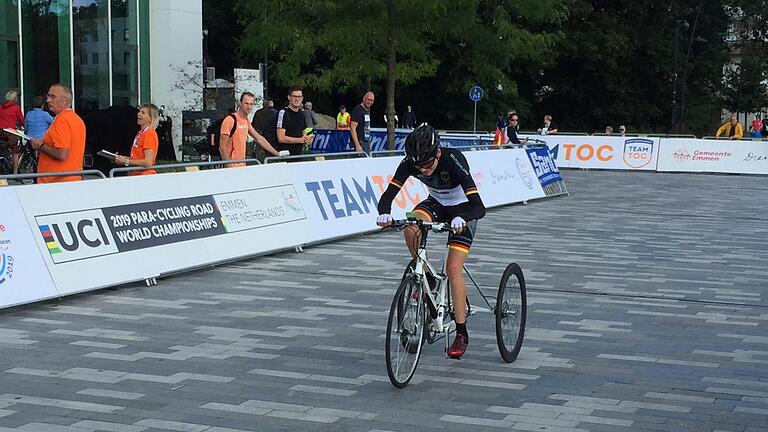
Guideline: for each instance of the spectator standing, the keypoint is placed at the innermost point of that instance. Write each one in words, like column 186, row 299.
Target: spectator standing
column 261, row 115
column 764, row 131
column 309, row 116
column 342, row 118
column 513, row 129
column 548, row 127
column 37, row 121
column 63, row 146
column 233, row 147
column 609, row 130
column 409, row 118
column 145, row 144
column 622, row 130
column 291, row 123
column 757, row 127
column 731, row 129
column 11, row 117
column 361, row 124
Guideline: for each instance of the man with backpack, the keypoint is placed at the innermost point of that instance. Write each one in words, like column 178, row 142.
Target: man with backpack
column 234, row 132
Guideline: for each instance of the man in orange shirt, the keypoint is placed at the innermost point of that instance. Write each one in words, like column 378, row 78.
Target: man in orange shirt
column 233, row 147
column 62, row 147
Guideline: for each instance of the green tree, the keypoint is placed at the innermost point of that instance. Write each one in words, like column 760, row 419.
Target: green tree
column 441, row 48
column 617, row 64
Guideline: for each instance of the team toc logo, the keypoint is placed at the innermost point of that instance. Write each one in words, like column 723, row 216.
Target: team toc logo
column 78, row 235
column 638, row 152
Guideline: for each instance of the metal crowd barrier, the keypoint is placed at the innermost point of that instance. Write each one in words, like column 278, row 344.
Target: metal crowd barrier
column 740, row 139
column 219, row 163
column 314, row 156
column 385, row 153
column 4, row 178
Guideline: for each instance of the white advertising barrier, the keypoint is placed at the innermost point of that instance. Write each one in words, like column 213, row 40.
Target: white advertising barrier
column 341, row 196
column 602, row 152
column 100, row 233
column 23, row 275
column 721, row 156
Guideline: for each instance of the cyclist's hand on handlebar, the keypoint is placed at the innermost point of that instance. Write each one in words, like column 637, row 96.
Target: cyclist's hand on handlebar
column 384, row 220
column 458, row 224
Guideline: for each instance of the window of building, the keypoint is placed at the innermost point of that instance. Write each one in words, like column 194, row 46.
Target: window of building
column 9, row 44
column 46, row 48
column 90, row 34
column 125, row 50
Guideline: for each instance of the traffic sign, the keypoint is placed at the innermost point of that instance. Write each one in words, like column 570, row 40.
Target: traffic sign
column 476, row 93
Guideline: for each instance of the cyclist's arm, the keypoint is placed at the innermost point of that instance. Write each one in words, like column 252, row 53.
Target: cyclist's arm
column 474, row 208
column 401, row 175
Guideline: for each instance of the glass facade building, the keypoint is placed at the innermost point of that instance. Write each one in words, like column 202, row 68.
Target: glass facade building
column 100, row 48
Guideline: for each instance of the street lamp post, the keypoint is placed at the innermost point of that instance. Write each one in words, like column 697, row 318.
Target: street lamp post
column 679, row 25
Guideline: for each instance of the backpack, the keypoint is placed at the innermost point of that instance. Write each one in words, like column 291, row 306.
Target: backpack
column 213, row 135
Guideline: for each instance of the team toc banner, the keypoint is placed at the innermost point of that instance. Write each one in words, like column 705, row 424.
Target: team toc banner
column 723, row 156
column 603, row 152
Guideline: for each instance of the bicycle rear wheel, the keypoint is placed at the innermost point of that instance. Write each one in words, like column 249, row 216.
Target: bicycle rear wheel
column 405, row 332
column 27, row 165
column 510, row 313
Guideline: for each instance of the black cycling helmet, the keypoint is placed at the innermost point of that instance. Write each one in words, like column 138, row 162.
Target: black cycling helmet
column 421, row 145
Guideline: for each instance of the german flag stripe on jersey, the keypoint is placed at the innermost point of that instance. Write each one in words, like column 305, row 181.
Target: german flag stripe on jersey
column 470, row 191
column 459, row 247
column 426, row 214
column 396, row 183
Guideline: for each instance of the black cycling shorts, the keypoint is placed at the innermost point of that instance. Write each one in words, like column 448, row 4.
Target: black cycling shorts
column 436, row 212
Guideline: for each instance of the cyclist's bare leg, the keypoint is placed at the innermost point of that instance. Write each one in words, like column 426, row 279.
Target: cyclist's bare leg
column 455, row 269
column 413, row 235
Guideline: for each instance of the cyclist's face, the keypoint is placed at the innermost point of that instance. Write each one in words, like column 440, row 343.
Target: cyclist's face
column 428, row 167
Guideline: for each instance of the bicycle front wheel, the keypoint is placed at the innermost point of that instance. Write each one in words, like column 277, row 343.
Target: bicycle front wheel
column 510, row 312
column 405, row 332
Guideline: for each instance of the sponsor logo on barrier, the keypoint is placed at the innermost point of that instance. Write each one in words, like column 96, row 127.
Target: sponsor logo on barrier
column 683, row 155
column 586, row 152
column 501, row 176
column 6, row 260
column 525, row 174
column 341, row 198
column 752, row 157
column 77, row 235
column 638, row 152
column 259, row 208
column 543, row 166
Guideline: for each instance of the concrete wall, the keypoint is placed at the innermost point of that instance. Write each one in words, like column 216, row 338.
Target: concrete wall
column 176, row 58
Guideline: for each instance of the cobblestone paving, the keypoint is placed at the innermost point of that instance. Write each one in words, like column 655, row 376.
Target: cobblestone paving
column 648, row 311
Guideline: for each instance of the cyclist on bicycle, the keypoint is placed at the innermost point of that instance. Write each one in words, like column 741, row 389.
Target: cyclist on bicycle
column 453, row 198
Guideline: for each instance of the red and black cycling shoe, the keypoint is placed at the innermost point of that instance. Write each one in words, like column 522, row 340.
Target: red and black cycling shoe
column 459, row 346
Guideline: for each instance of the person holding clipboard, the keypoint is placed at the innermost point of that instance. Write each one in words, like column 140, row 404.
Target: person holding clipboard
column 144, row 148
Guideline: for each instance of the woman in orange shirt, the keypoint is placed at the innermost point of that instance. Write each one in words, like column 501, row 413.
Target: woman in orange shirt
column 144, row 148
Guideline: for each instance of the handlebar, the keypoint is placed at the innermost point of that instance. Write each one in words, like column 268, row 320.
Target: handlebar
column 433, row 226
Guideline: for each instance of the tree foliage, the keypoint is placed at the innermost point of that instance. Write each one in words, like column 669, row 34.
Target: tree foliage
column 442, row 48
column 589, row 63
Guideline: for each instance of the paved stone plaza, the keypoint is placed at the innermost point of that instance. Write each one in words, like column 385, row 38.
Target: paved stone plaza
column 648, row 311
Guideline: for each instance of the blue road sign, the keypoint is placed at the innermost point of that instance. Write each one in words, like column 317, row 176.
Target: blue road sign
column 476, row 93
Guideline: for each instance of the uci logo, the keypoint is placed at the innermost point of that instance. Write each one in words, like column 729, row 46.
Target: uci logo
column 638, row 152
column 73, row 236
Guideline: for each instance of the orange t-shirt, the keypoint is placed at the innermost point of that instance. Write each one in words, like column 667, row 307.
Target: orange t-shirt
column 237, row 140
column 66, row 131
column 145, row 140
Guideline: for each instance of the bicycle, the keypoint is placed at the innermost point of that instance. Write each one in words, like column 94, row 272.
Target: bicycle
column 27, row 159
column 422, row 314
